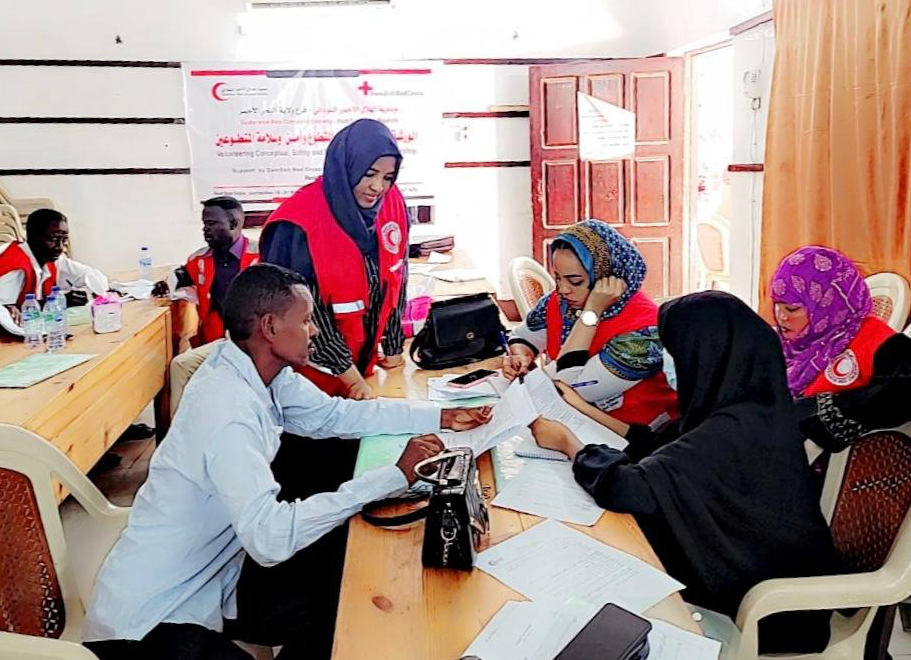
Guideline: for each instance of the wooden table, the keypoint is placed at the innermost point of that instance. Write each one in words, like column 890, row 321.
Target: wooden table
column 392, row 608
column 83, row 410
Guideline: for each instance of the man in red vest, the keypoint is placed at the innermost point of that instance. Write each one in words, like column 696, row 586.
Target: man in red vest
column 211, row 269
column 39, row 264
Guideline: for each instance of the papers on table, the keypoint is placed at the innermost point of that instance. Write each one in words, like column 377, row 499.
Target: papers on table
column 550, row 404
column 515, row 410
column 538, row 631
column 530, row 631
column 548, row 489
column 420, row 268
column 667, row 642
column 39, row 367
column 552, row 563
column 458, row 275
column 438, row 258
column 439, row 390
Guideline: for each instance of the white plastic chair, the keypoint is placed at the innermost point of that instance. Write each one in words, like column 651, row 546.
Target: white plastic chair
column 862, row 526
column 11, row 228
column 891, row 298
column 529, row 281
column 57, row 564
column 713, row 240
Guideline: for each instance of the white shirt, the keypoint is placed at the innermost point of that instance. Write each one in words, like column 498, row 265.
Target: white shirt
column 210, row 495
column 70, row 275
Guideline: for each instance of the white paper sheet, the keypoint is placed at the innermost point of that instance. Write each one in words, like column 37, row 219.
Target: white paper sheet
column 420, row 268
column 136, row 289
column 438, row 390
column 550, row 404
column 438, row 258
column 515, row 409
column 548, row 489
column 552, row 563
column 667, row 642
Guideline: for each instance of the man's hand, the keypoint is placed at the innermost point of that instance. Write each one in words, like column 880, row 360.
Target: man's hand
column 14, row 312
column 77, row 298
column 553, row 435
column 391, row 361
column 515, row 365
column 464, row 419
column 161, row 289
column 357, row 387
column 418, row 449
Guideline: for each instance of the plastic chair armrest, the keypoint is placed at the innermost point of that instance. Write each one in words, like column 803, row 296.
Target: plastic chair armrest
column 27, row 647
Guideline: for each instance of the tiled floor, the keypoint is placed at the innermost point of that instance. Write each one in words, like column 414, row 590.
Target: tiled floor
column 120, row 483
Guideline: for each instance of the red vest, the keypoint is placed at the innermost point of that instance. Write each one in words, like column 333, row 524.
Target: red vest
column 854, row 367
column 201, row 267
column 14, row 258
column 652, row 396
column 338, row 265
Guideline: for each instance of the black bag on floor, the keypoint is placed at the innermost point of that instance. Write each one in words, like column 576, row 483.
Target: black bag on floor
column 459, row 331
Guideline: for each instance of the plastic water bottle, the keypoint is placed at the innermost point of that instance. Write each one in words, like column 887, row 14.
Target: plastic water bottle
column 53, row 325
column 61, row 303
column 145, row 264
column 32, row 323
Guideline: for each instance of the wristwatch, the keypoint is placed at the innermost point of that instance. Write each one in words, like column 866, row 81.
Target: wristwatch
column 589, row 318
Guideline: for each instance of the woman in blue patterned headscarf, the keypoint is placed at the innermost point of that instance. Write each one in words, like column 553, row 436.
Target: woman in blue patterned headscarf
column 598, row 329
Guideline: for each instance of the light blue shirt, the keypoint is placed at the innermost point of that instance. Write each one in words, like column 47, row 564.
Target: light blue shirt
column 210, row 495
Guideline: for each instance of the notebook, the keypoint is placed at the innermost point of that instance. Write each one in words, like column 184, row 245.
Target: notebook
column 39, row 367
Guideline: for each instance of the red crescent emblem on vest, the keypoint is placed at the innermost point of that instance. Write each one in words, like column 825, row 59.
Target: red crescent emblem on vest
column 391, row 236
column 844, row 369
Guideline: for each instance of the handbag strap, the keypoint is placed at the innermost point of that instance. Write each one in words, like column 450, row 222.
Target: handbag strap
column 396, row 521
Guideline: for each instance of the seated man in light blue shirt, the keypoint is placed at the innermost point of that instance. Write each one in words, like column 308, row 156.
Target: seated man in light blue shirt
column 169, row 583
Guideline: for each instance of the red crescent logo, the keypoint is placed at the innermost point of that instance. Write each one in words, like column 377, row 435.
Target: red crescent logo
column 215, row 95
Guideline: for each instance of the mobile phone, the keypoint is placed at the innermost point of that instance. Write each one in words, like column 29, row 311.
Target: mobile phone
column 612, row 633
column 472, row 378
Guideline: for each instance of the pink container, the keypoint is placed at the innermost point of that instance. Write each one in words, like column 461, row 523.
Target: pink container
column 416, row 311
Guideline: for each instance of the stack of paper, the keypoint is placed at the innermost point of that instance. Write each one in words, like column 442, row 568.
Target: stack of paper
column 458, row 275
column 438, row 389
column 538, row 631
column 136, row 289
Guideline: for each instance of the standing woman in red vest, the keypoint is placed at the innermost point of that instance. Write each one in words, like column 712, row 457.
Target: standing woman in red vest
column 848, row 370
column 598, row 329
column 347, row 234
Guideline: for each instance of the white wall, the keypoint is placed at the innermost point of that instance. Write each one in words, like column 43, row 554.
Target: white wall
column 489, row 209
column 752, row 50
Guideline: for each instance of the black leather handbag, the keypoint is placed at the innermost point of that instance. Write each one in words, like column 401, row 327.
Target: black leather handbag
column 456, row 513
column 459, row 331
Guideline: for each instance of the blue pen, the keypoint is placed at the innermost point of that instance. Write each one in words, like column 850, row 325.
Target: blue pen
column 503, row 341
column 583, row 384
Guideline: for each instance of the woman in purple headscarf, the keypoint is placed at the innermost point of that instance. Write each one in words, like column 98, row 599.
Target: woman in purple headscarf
column 848, row 370
column 824, row 314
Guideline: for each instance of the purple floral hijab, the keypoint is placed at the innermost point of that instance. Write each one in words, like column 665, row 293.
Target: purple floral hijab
column 837, row 300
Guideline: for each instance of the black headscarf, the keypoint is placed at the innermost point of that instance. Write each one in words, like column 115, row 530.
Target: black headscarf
column 734, row 487
column 351, row 153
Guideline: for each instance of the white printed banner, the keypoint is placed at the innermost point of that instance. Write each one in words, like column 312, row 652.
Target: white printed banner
column 259, row 132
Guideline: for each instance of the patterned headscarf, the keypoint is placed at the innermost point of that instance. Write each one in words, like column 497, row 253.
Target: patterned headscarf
column 837, row 300
column 604, row 252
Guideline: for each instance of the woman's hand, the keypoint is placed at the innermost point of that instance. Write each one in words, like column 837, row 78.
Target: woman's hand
column 553, row 435
column 391, row 361
column 357, row 387
column 515, row 365
column 464, row 419
column 605, row 293
column 572, row 397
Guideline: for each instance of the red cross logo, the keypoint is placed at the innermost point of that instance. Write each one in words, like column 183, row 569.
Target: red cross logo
column 365, row 88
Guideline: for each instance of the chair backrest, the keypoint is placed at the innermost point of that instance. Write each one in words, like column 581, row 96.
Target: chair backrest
column 11, row 228
column 38, row 591
column 891, row 298
column 872, row 485
column 711, row 246
column 529, row 281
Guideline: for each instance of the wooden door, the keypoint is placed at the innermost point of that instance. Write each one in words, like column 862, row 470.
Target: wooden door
column 641, row 196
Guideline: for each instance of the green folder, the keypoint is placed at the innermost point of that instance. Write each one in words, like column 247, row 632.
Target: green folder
column 38, row 367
